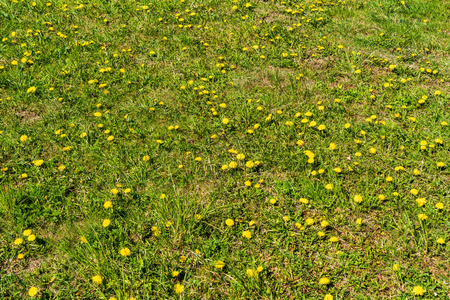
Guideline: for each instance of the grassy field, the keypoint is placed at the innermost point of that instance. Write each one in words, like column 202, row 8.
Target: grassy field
column 225, row 149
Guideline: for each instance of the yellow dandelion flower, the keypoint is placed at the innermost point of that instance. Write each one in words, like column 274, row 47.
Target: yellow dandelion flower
column 179, row 288
column 396, row 267
column 250, row 164
column 38, row 162
column 334, row 239
column 33, row 291
column 125, row 252
column 358, row 198
column 309, row 221
column 106, row 222
column 303, row 200
column 220, row 265
column 251, row 273
column 421, row 201
column 418, row 290
column 247, row 234
column 422, row 216
column 97, row 279
column 229, row 222
column 240, row 156
column 232, row 165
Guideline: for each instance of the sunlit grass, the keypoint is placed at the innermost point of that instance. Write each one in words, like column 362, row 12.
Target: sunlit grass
column 224, row 149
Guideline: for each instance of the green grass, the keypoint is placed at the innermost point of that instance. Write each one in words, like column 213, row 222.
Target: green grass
column 164, row 76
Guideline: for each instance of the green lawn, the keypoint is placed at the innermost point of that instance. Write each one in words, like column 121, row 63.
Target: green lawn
column 225, row 149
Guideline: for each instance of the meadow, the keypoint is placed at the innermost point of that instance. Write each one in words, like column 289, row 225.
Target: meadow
column 256, row 149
